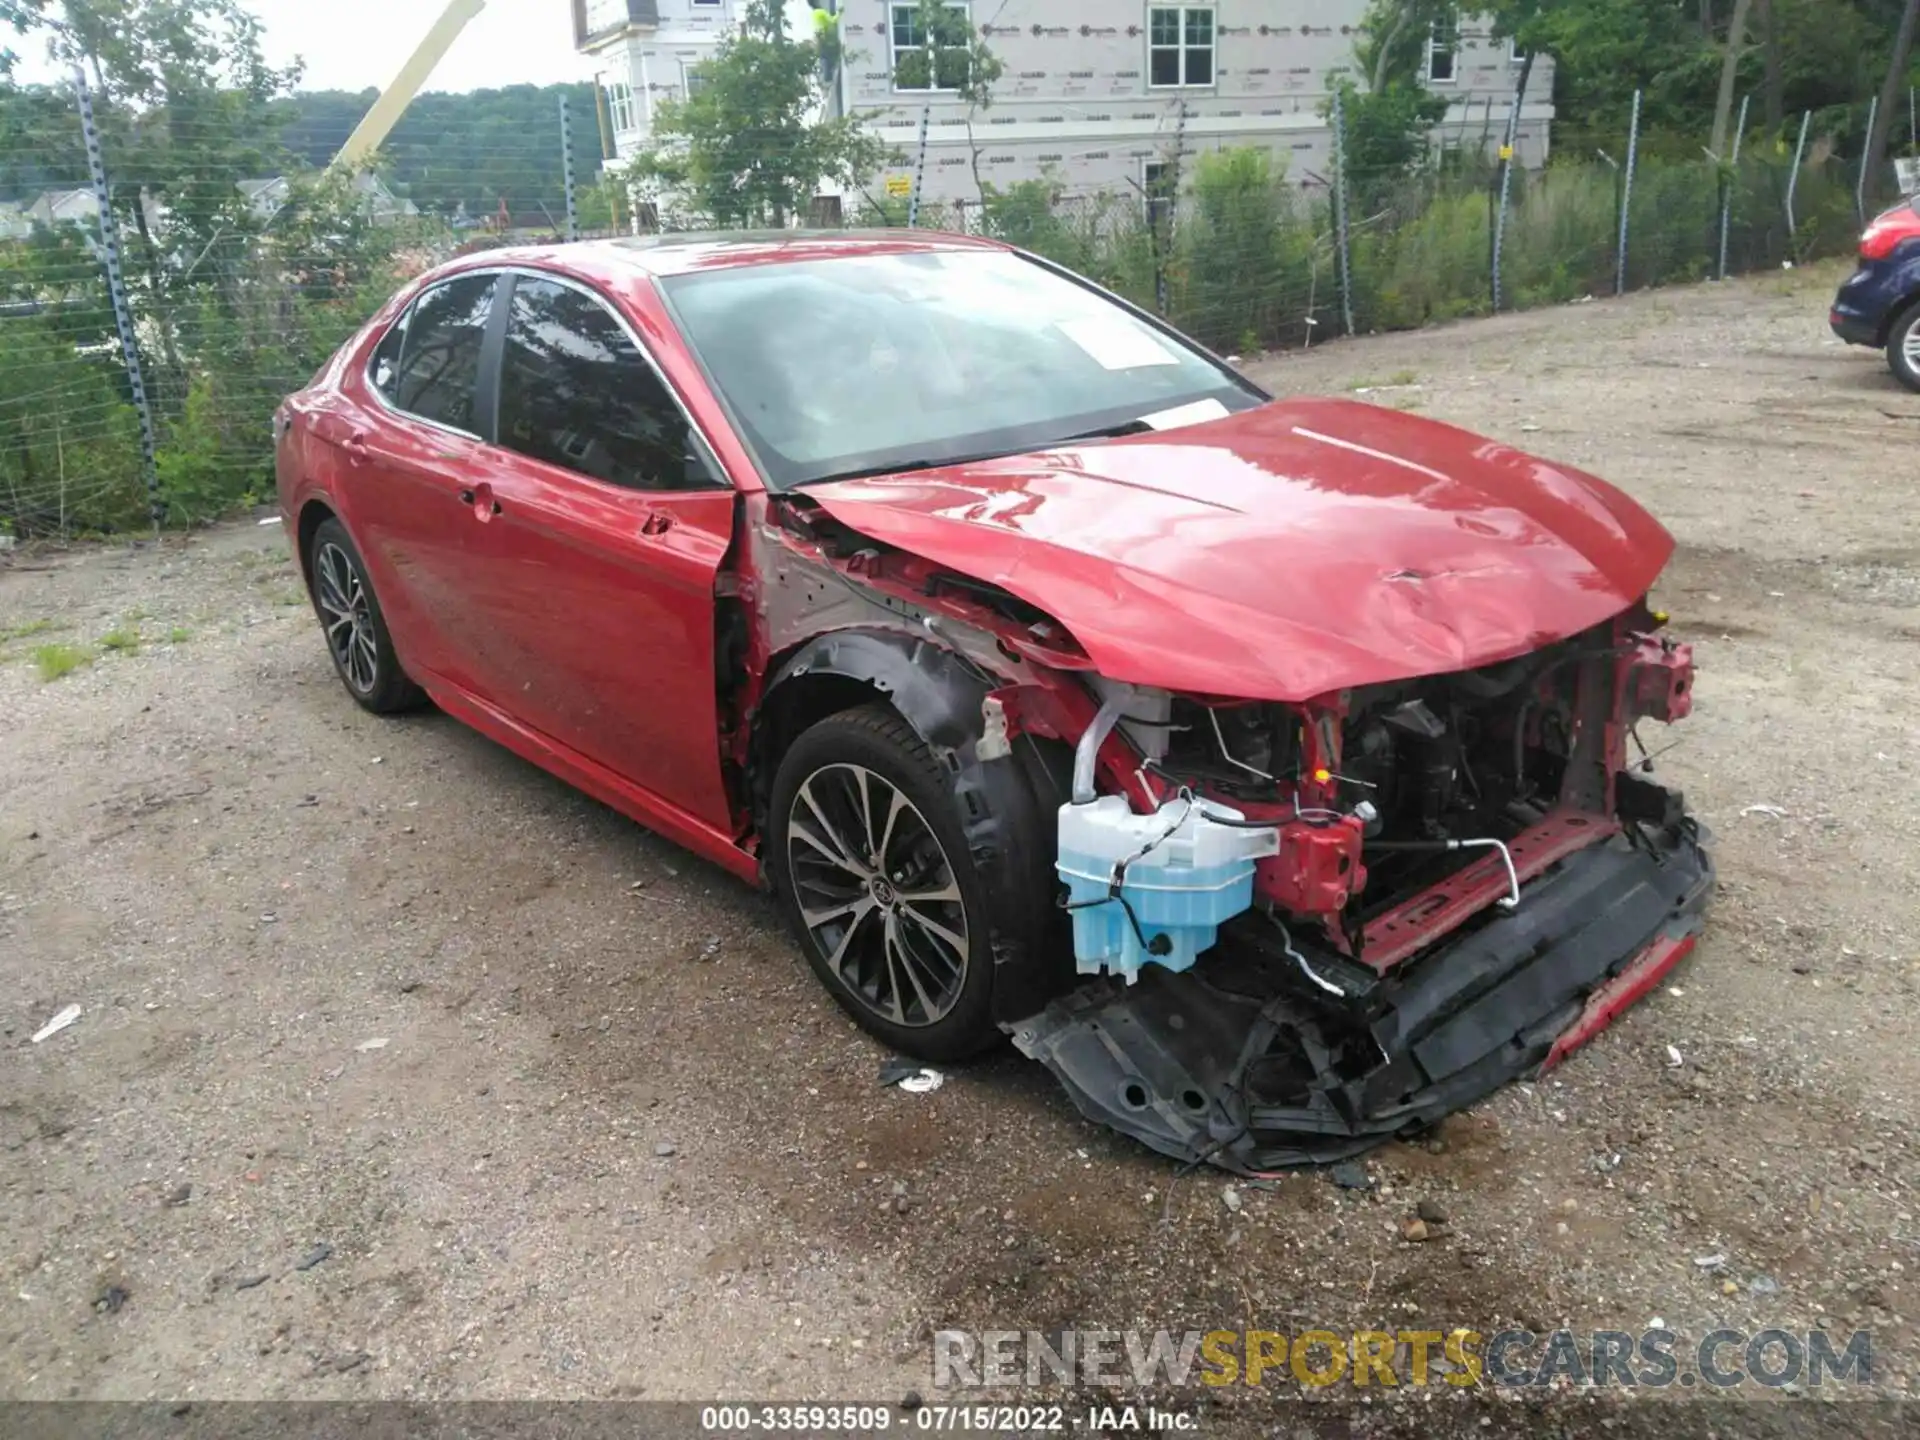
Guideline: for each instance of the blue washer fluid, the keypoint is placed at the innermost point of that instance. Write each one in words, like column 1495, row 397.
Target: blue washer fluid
column 1185, row 876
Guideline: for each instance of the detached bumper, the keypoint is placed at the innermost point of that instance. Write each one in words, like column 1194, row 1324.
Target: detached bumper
column 1248, row 1063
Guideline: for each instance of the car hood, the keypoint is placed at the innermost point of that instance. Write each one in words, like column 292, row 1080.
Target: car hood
column 1300, row 547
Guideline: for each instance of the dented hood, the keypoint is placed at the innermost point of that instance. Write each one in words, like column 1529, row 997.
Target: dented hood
column 1300, row 547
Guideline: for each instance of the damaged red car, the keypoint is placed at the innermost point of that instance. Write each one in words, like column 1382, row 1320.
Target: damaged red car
column 1267, row 769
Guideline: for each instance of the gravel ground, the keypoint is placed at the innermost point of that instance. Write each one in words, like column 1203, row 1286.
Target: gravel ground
column 554, row 1110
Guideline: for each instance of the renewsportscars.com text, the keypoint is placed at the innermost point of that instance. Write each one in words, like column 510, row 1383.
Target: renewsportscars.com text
column 1315, row 1359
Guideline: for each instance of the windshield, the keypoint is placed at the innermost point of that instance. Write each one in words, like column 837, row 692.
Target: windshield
column 873, row 362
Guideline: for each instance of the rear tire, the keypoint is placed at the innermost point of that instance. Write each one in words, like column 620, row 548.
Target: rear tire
column 354, row 627
column 873, row 872
column 1903, row 347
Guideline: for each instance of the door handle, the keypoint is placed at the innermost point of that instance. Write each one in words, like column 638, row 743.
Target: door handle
column 656, row 523
column 357, row 451
column 480, row 497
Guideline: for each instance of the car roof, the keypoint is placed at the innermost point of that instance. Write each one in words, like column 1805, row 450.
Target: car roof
column 715, row 250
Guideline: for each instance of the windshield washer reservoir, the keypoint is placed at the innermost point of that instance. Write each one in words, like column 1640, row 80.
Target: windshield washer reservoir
column 1153, row 889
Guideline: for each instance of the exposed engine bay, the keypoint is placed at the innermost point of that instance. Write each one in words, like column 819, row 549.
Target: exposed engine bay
column 1452, row 875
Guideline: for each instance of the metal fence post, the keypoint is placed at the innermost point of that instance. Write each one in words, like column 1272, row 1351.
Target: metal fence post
column 1860, row 184
column 1793, row 175
column 1508, row 148
column 919, row 169
column 1500, row 204
column 566, row 165
column 1342, row 256
column 1730, row 178
column 1626, row 198
column 116, row 288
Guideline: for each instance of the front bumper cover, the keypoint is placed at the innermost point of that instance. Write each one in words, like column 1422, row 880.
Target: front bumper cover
column 1246, row 1063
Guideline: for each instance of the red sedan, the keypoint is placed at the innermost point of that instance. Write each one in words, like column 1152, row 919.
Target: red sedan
column 1262, row 767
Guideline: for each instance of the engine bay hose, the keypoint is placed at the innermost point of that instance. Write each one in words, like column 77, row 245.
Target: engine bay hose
column 1088, row 750
column 1509, row 901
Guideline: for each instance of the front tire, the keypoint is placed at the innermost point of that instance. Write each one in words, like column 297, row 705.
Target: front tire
column 874, row 874
column 356, row 631
column 1903, row 347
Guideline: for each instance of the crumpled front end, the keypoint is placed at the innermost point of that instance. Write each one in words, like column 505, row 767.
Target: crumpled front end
column 1465, row 877
column 1244, row 1062
column 1292, row 928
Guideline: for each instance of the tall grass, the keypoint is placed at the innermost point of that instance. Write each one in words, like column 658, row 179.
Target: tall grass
column 1247, row 261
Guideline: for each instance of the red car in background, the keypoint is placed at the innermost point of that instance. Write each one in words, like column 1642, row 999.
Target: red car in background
column 1262, row 767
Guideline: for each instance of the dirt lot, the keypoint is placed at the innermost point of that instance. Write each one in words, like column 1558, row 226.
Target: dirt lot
column 383, row 988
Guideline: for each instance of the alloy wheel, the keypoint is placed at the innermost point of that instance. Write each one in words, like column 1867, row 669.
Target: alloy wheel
column 1910, row 348
column 877, row 894
column 346, row 610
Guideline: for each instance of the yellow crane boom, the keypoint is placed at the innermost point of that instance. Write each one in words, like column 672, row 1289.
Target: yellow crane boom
column 373, row 129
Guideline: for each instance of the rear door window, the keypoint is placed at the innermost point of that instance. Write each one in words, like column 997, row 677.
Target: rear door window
column 439, row 365
column 384, row 372
column 575, row 391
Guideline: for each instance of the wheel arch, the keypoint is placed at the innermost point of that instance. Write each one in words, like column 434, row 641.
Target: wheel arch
column 1004, row 802
column 928, row 685
column 313, row 515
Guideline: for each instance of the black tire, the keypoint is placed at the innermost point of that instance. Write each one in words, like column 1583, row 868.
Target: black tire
column 353, row 626
column 887, row 962
column 1903, row 347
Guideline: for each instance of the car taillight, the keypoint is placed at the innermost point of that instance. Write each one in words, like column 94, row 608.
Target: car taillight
column 1888, row 231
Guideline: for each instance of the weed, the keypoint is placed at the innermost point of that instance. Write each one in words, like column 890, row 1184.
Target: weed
column 57, row 660
column 1398, row 380
column 123, row 639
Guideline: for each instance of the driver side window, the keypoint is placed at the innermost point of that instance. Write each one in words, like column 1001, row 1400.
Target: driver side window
column 576, row 392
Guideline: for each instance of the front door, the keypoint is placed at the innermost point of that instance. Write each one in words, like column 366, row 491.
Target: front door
column 596, row 591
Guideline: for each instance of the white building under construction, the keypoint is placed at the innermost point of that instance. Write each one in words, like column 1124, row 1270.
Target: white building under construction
column 1103, row 94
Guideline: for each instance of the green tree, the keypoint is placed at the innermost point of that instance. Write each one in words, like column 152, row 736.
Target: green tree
column 236, row 303
column 182, row 102
column 752, row 146
column 954, row 58
column 1896, row 81
column 1388, row 123
column 1795, row 54
column 475, row 150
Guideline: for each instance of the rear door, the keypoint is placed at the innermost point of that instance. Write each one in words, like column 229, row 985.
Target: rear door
column 410, row 458
column 613, row 521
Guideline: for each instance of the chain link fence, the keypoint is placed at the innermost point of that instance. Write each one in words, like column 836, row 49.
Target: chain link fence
column 234, row 294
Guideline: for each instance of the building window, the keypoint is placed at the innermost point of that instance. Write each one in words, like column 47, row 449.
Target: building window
column 936, row 62
column 1443, row 48
column 620, row 107
column 604, row 15
column 706, row 4
column 1515, row 55
column 1156, row 185
column 1179, row 45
